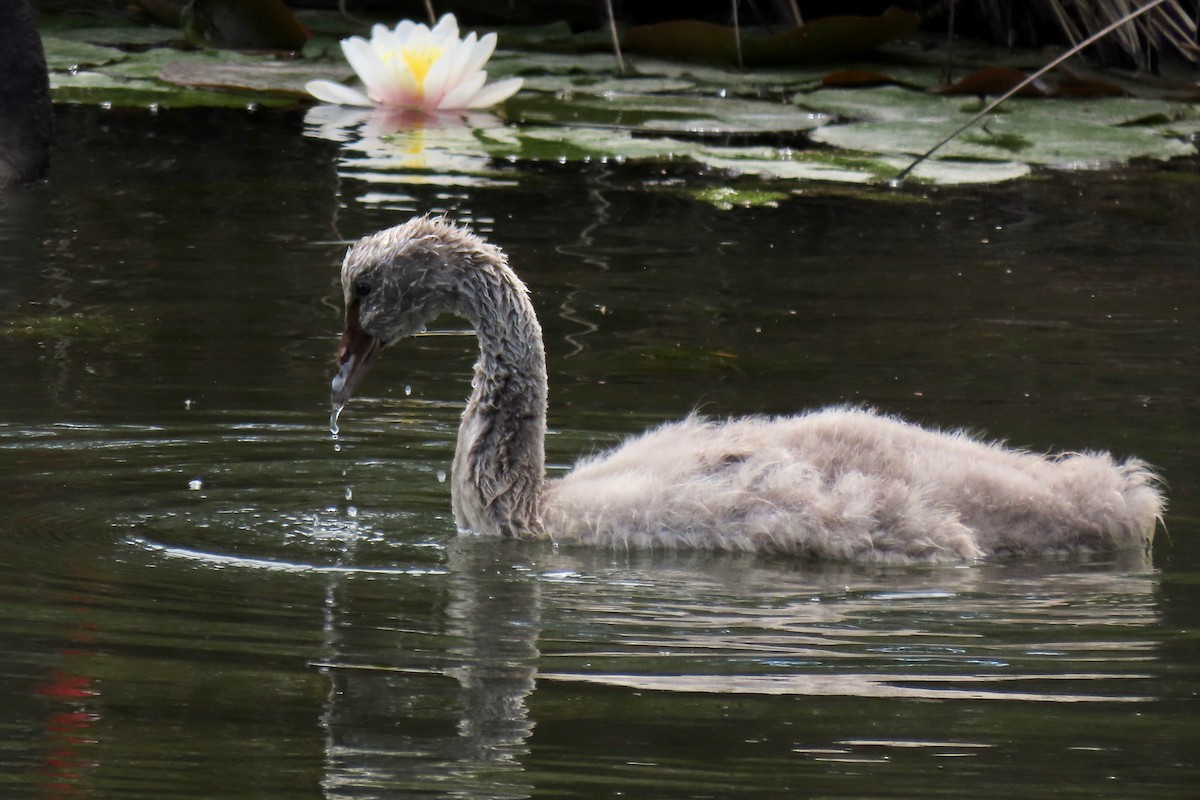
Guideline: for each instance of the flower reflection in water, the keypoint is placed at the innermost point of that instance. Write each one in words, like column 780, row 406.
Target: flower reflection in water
column 396, row 146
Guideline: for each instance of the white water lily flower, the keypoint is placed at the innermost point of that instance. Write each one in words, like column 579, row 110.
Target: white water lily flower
column 413, row 67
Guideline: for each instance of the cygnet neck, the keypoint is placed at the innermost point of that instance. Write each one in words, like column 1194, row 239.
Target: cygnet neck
column 499, row 461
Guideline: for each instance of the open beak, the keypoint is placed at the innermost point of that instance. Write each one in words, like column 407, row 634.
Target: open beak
column 356, row 352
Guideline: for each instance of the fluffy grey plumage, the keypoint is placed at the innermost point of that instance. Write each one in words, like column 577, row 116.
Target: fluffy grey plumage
column 840, row 483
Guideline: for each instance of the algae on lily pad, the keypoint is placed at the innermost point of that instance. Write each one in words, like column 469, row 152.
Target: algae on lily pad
column 727, row 197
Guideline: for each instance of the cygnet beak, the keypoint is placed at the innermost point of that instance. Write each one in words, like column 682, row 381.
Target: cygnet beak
column 356, row 352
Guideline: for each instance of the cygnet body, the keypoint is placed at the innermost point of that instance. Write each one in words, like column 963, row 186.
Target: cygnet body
column 841, row 483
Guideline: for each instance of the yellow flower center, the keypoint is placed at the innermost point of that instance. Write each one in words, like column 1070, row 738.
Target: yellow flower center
column 419, row 60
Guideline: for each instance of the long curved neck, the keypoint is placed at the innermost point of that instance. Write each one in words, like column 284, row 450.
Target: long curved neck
column 499, row 461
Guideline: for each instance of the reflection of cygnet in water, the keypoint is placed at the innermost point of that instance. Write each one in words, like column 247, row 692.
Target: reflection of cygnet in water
column 451, row 717
column 26, row 117
column 842, row 484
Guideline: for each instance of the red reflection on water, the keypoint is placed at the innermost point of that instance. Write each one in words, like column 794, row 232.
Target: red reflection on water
column 68, row 727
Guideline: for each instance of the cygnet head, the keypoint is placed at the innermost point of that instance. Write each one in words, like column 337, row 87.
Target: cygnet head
column 397, row 281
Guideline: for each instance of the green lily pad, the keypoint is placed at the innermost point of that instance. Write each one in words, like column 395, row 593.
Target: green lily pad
column 1045, row 132
column 95, row 88
column 150, row 63
column 567, row 85
column 66, row 54
column 272, row 77
column 674, row 114
column 124, row 36
column 578, row 144
column 888, row 104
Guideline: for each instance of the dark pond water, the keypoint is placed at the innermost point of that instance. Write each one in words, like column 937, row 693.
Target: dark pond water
column 202, row 595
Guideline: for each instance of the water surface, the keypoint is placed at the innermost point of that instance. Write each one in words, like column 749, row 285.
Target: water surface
column 202, row 594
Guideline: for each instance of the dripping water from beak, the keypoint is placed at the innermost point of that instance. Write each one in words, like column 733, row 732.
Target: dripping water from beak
column 355, row 354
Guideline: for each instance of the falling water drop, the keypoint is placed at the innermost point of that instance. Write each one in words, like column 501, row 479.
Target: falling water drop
column 351, row 511
column 349, row 493
column 195, row 484
column 333, row 419
column 407, row 390
column 441, row 476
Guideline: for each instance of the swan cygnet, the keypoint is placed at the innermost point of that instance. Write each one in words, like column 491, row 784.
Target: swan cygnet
column 842, row 483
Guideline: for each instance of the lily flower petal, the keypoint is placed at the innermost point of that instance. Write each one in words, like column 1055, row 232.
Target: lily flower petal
column 459, row 58
column 460, row 95
column 494, row 93
column 330, row 92
column 481, row 53
column 446, row 30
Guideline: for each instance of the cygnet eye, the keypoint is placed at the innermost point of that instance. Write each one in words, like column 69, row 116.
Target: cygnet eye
column 362, row 288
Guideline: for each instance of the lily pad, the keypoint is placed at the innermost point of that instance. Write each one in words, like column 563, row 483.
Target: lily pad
column 692, row 115
column 97, row 88
column 1042, row 131
column 580, row 144
column 124, row 36
column 273, row 77
column 67, row 54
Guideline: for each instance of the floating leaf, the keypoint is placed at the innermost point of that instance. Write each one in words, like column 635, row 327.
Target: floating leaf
column 886, row 103
column 1061, row 143
column 275, row 77
column 97, row 88
column 820, row 40
column 124, row 36
column 65, row 54
column 679, row 114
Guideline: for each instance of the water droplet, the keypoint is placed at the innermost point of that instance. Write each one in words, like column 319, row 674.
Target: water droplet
column 187, row 404
column 351, row 511
column 441, row 476
column 195, row 484
column 895, row 183
column 333, row 419
column 407, row 390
